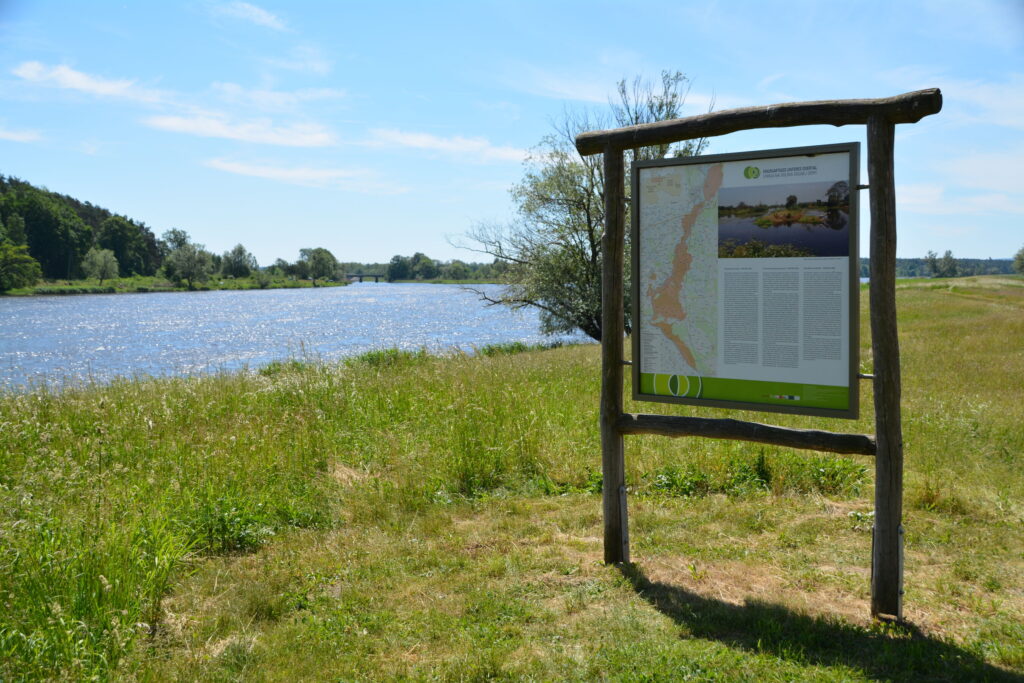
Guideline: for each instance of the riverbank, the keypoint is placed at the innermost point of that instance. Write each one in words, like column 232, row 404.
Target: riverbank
column 142, row 284
column 400, row 514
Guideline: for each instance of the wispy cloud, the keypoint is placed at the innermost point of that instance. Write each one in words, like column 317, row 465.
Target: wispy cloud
column 305, row 59
column 252, row 14
column 19, row 135
column 998, row 103
column 66, row 78
column 260, row 131
column 564, row 86
column 768, row 80
column 355, row 180
column 274, row 100
column 934, row 200
column 474, row 149
column 988, row 171
column 299, row 175
column 600, row 88
column 969, row 101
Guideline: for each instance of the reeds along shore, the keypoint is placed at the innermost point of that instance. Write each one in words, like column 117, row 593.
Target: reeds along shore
column 403, row 515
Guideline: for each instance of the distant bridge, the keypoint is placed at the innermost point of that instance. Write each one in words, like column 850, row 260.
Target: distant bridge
column 360, row 276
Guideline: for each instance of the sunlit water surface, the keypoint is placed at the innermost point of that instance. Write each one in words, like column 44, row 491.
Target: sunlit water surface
column 60, row 340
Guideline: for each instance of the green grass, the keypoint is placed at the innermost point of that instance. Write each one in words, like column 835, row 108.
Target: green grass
column 407, row 516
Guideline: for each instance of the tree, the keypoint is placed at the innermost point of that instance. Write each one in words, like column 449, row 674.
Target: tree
column 947, row 265
column 176, row 238
column 125, row 240
column 238, row 262
column 319, row 262
column 931, row 262
column 262, row 278
column 100, row 264
column 16, row 229
column 171, row 241
column 191, row 263
column 455, row 270
column 1018, row 261
column 56, row 236
column 791, row 201
column 399, row 268
column 423, row 267
column 553, row 247
column 17, row 267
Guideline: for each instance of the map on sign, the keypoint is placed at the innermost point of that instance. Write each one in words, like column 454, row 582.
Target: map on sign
column 744, row 280
column 680, row 258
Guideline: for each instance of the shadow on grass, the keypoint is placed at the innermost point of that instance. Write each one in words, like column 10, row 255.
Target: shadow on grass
column 892, row 652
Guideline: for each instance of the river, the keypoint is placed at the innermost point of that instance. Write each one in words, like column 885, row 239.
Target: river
column 62, row 340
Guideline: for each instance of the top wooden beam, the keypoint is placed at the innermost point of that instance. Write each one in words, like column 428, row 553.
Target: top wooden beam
column 906, row 108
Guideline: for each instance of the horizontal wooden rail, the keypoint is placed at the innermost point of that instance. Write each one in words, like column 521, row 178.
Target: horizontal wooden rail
column 906, row 108
column 812, row 439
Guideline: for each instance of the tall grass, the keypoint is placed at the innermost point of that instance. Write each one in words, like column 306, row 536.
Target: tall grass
column 216, row 527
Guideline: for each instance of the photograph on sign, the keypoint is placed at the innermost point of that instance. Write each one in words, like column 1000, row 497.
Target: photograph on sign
column 745, row 280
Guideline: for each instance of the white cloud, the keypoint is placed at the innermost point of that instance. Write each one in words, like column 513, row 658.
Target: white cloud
column 19, row 135
column 251, row 13
column 355, row 180
column 69, row 79
column 274, row 99
column 260, row 131
column 478, row 149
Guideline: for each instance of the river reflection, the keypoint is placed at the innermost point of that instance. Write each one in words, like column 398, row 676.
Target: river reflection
column 71, row 339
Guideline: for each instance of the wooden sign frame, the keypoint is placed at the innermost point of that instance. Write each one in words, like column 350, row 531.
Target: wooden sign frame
column 881, row 117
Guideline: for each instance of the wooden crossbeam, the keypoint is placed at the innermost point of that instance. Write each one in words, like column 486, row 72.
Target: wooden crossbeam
column 810, row 439
column 906, row 108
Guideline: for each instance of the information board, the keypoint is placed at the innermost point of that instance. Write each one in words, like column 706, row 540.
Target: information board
column 746, row 280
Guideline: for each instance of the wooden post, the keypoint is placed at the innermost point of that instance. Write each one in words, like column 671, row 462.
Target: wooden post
column 887, row 545
column 613, row 465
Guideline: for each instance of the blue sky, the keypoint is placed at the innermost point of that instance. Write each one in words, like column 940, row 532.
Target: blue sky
column 375, row 129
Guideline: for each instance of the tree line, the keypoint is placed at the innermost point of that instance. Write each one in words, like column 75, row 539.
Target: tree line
column 419, row 266
column 48, row 235
column 947, row 265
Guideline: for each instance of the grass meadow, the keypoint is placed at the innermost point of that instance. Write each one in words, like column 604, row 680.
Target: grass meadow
column 439, row 518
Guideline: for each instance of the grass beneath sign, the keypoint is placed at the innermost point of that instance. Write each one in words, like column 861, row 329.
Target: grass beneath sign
column 403, row 515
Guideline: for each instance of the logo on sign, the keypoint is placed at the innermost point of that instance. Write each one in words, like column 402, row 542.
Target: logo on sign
column 752, row 172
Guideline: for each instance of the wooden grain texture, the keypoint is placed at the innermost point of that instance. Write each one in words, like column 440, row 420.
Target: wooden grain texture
column 811, row 439
column 906, row 108
column 886, row 565
column 613, row 467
